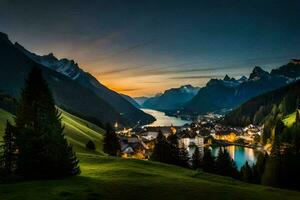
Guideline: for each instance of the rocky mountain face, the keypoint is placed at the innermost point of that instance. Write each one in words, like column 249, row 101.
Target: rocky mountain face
column 221, row 95
column 172, row 99
column 73, row 89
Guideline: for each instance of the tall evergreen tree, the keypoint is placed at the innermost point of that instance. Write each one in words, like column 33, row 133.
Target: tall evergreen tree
column 8, row 159
column 161, row 150
column 208, row 162
column 43, row 150
column 196, row 159
column 179, row 156
column 259, row 167
column 271, row 174
column 225, row 165
column 246, row 173
column 111, row 144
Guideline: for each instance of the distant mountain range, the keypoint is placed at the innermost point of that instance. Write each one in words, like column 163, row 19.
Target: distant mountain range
column 172, row 99
column 221, row 95
column 73, row 89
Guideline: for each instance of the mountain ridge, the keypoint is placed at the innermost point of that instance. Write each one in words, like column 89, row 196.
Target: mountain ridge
column 71, row 69
column 68, row 93
column 171, row 99
column 224, row 94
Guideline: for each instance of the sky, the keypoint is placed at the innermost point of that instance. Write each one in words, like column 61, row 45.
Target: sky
column 141, row 47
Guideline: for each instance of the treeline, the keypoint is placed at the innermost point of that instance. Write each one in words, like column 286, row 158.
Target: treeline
column 35, row 147
column 281, row 168
column 258, row 109
column 166, row 150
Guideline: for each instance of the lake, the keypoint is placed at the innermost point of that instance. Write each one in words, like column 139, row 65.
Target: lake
column 163, row 120
column 239, row 154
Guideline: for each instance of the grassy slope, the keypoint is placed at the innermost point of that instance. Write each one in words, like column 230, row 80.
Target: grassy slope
column 3, row 117
column 115, row 178
column 77, row 131
column 290, row 119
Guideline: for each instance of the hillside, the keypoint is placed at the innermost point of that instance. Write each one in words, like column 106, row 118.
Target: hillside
column 150, row 180
column 77, row 96
column 115, row 178
column 69, row 68
column 256, row 109
column 290, row 119
column 77, row 131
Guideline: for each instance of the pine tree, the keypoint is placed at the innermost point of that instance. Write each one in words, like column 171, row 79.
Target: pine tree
column 8, row 160
column 179, row 156
column 259, row 167
column 160, row 151
column 208, row 162
column 196, row 159
column 271, row 174
column 225, row 165
column 246, row 173
column 111, row 144
column 43, row 151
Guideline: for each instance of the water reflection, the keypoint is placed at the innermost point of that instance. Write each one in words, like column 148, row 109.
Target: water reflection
column 164, row 120
column 239, row 154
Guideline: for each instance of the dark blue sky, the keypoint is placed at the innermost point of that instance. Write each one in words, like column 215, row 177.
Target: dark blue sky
column 143, row 47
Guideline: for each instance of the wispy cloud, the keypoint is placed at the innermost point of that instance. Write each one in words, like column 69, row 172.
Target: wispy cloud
column 125, row 50
column 197, row 77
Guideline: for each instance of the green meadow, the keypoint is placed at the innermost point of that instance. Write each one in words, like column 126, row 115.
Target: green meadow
column 105, row 177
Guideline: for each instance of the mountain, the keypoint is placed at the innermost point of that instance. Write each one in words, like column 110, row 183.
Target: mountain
column 70, row 92
column 219, row 95
column 70, row 69
column 140, row 100
column 255, row 110
column 131, row 100
column 172, row 99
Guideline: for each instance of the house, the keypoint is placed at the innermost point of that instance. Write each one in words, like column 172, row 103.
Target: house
column 226, row 135
column 133, row 146
column 189, row 140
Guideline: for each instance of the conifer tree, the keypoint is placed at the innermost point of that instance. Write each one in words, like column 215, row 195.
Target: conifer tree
column 180, row 156
column 271, row 174
column 160, row 151
column 196, row 159
column 111, row 144
column 208, row 162
column 246, row 173
column 8, row 159
column 43, row 151
column 259, row 167
column 225, row 165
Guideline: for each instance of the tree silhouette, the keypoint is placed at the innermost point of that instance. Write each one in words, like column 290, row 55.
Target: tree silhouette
column 43, row 151
column 111, row 144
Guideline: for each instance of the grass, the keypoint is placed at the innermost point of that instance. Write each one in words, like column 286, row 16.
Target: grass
column 3, row 117
column 290, row 119
column 115, row 178
column 77, row 131
column 105, row 177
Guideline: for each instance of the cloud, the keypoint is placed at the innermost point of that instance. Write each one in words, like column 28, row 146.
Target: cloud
column 198, row 77
column 126, row 50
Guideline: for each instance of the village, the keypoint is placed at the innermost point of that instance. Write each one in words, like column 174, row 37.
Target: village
column 203, row 132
